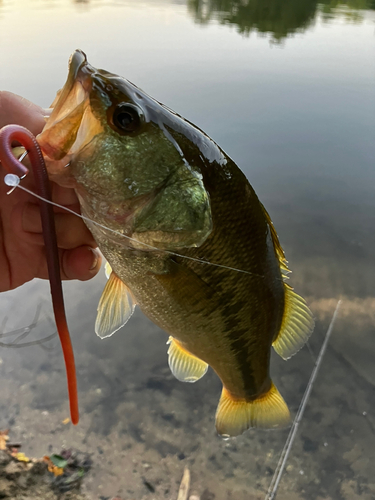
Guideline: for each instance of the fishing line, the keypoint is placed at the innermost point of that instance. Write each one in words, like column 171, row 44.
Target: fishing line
column 13, row 181
column 310, row 351
column 293, row 431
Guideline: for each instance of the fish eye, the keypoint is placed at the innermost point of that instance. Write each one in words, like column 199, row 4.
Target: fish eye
column 127, row 117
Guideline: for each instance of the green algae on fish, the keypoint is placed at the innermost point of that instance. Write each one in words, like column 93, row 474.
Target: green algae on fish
column 186, row 237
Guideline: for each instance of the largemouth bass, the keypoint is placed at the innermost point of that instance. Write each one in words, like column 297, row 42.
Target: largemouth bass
column 186, row 237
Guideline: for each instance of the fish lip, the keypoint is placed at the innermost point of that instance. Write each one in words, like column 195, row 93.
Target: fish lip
column 71, row 101
column 76, row 61
column 80, row 70
column 77, row 66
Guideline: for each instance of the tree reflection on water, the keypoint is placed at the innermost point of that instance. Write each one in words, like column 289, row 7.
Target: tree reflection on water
column 278, row 17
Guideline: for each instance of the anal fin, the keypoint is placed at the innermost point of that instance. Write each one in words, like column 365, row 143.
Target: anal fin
column 115, row 307
column 296, row 326
column 236, row 415
column 185, row 366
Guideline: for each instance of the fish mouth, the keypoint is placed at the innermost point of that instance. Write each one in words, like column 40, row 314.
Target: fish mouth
column 71, row 124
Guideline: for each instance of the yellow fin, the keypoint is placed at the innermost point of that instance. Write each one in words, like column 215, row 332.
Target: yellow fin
column 296, row 326
column 185, row 366
column 107, row 269
column 115, row 307
column 234, row 416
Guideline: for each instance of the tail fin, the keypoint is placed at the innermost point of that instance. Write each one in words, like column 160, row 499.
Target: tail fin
column 234, row 416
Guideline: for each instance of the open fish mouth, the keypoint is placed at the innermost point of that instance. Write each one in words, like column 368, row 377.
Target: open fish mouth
column 71, row 124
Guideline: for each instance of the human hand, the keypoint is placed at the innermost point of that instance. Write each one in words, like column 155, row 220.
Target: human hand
column 22, row 250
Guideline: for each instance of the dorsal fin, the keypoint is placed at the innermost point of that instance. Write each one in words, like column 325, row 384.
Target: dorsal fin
column 298, row 322
column 296, row 326
column 276, row 244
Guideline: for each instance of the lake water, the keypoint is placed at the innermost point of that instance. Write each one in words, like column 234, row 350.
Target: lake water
column 286, row 88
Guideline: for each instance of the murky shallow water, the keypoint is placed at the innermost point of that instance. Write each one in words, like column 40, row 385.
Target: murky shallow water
column 296, row 113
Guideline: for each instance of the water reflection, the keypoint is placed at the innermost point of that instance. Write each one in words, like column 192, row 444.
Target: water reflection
column 278, row 17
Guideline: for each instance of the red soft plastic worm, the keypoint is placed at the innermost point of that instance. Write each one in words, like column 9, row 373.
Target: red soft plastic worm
column 8, row 135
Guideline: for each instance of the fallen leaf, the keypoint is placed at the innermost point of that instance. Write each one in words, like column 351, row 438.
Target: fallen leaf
column 3, row 439
column 58, row 460
column 21, row 457
column 57, row 471
column 184, row 486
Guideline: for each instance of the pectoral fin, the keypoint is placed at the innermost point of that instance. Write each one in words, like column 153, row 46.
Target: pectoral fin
column 296, row 327
column 115, row 307
column 184, row 366
column 107, row 270
column 234, row 416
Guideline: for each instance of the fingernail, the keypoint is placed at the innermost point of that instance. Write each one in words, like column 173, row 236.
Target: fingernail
column 47, row 112
column 96, row 253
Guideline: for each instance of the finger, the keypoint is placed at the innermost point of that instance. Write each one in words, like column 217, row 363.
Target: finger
column 64, row 196
column 16, row 109
column 71, row 231
column 82, row 263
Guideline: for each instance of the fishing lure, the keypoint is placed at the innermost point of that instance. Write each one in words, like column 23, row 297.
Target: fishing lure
column 8, row 135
